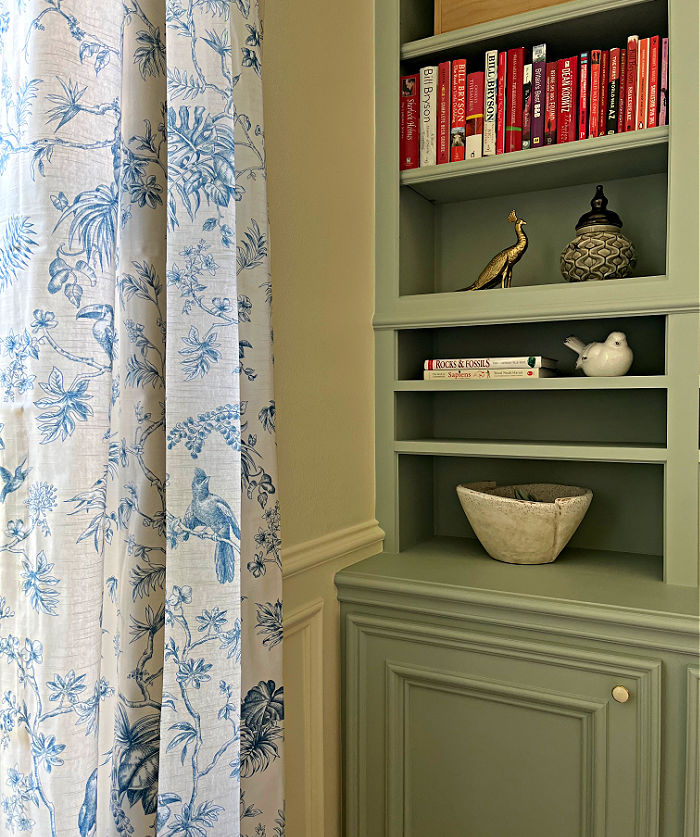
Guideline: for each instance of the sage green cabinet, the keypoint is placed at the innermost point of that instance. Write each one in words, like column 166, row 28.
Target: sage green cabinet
column 472, row 713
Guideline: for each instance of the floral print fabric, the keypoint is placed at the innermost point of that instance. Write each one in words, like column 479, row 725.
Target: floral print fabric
column 140, row 583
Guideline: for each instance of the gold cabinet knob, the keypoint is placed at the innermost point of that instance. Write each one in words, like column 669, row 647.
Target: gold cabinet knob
column 620, row 694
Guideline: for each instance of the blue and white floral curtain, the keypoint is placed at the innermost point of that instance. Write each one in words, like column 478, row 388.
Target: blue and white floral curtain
column 140, row 612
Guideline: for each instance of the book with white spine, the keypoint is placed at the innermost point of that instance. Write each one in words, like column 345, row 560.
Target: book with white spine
column 518, row 362
column 428, row 116
column 490, row 101
column 485, row 374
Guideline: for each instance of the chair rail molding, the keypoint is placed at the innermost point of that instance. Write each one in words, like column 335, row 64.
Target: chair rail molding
column 321, row 550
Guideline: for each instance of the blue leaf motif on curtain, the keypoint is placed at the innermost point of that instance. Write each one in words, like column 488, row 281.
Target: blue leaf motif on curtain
column 63, row 407
column 261, row 710
column 16, row 245
column 136, row 759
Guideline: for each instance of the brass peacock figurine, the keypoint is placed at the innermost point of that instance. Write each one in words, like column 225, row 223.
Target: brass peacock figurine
column 499, row 271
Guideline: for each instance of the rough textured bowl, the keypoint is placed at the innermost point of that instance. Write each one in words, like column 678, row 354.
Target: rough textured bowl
column 524, row 531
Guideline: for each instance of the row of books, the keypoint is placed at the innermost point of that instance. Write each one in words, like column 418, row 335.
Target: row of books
column 447, row 114
column 476, row 368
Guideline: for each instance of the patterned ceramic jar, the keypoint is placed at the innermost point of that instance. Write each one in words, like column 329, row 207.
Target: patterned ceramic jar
column 599, row 251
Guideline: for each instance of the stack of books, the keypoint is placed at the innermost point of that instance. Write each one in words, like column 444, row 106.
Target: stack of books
column 464, row 368
column 448, row 114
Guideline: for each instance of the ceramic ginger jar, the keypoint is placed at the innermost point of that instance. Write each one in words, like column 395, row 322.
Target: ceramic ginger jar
column 600, row 250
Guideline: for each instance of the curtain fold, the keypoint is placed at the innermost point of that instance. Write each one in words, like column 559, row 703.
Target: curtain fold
column 140, row 580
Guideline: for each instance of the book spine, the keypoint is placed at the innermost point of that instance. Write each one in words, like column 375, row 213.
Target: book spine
column 603, row 102
column 566, row 108
column 409, row 143
column 623, row 88
column 550, row 113
column 527, row 105
column 443, row 130
column 583, row 97
column 663, row 91
column 595, row 94
column 490, row 101
column 642, row 82
column 475, row 114
column 653, row 99
column 518, row 362
column 613, row 92
column 501, row 106
column 539, row 90
column 428, row 116
column 631, row 83
column 482, row 374
column 459, row 109
column 514, row 114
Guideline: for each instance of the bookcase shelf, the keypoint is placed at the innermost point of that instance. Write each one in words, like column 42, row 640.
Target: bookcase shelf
column 547, row 302
column 571, row 27
column 533, row 450
column 535, row 385
column 616, row 156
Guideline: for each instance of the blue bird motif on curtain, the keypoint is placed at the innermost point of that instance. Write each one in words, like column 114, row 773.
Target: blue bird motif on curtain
column 207, row 509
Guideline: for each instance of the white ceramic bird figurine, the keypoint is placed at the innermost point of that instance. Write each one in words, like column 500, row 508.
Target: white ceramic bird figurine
column 598, row 360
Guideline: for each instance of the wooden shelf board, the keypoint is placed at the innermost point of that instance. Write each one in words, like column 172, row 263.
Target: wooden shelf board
column 567, row 25
column 563, row 383
column 599, row 159
column 533, row 450
column 455, row 568
column 644, row 295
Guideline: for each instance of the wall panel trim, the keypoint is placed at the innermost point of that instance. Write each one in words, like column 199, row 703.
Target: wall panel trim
column 306, row 623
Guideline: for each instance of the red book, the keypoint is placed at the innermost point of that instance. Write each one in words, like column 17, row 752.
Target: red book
column 623, row 88
column 550, row 109
column 501, row 109
column 595, row 94
column 663, row 90
column 583, row 97
column 459, row 109
column 443, row 137
column 653, row 103
column 631, row 83
column 603, row 104
column 475, row 114
column 642, row 82
column 409, row 132
column 613, row 92
column 514, row 105
column 566, row 99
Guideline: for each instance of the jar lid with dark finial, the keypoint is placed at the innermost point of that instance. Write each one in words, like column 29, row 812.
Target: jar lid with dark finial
column 600, row 215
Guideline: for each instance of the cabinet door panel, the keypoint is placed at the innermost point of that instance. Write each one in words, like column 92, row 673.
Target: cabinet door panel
column 460, row 733
column 494, row 764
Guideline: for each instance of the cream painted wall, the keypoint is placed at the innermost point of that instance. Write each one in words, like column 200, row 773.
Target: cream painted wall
column 319, row 140
column 318, row 88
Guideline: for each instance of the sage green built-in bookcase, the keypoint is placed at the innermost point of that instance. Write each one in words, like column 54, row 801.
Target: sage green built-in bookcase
column 562, row 699
column 633, row 440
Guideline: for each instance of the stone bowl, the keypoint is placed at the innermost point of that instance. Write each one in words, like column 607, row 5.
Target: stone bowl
column 524, row 531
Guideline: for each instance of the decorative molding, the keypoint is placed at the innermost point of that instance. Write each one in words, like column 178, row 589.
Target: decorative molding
column 342, row 542
column 306, row 625
column 591, row 714
column 623, row 625
column 692, row 757
column 646, row 674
